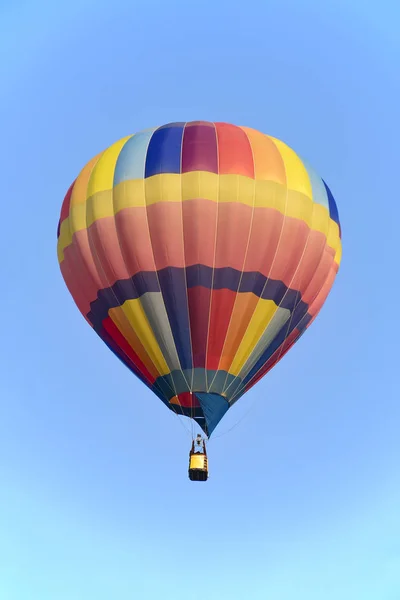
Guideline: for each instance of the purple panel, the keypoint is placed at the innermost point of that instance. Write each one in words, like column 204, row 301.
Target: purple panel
column 199, row 150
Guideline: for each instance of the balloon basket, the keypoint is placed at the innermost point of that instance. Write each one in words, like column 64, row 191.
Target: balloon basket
column 198, row 467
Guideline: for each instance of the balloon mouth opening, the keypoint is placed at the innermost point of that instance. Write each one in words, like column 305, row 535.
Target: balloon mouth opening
column 213, row 407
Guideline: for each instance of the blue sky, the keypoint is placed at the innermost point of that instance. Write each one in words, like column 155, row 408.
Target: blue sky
column 304, row 494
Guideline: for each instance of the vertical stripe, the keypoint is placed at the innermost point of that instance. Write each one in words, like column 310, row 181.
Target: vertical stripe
column 156, row 314
column 164, row 151
column 173, row 287
column 134, row 312
column 268, row 162
column 199, row 149
column 261, row 319
column 297, row 178
column 242, row 313
column 234, row 151
column 199, row 307
column 222, row 302
column 102, row 174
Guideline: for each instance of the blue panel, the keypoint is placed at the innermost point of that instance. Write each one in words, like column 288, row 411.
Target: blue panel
column 164, row 151
column 214, row 407
column 132, row 158
column 173, row 288
column 199, row 275
column 196, row 275
column 333, row 211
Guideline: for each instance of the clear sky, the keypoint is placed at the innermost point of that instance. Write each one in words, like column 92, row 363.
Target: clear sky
column 304, row 494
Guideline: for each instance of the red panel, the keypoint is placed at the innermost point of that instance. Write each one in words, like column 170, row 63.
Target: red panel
column 234, row 151
column 186, row 400
column 199, row 309
column 222, row 302
column 66, row 203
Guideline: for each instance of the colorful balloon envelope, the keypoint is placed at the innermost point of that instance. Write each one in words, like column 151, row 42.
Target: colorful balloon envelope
column 199, row 253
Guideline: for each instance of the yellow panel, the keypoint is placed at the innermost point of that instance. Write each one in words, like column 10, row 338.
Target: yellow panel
column 77, row 218
column 98, row 206
column 102, row 176
column 129, row 194
column 270, row 195
column 262, row 316
column 320, row 219
column 237, row 188
column 296, row 174
column 166, row 188
column 200, row 184
column 299, row 206
column 163, row 188
column 134, row 312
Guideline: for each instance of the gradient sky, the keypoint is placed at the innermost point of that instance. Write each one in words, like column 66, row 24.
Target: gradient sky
column 303, row 500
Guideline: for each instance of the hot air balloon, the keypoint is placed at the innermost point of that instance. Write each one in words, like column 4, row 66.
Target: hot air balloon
column 199, row 253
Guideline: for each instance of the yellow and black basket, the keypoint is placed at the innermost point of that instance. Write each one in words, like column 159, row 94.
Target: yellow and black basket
column 198, row 466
